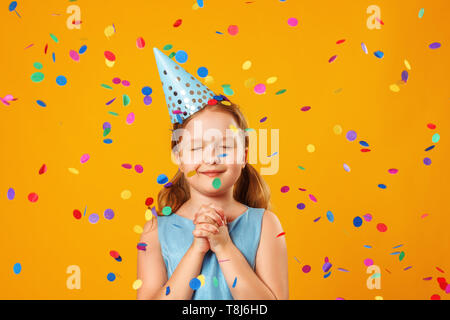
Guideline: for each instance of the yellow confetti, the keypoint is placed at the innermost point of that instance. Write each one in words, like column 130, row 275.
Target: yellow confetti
column 337, row 129
column 246, row 65
column 250, row 83
column 191, row 173
column 109, row 63
column 408, row 66
column 73, row 170
column 202, row 279
column 138, row 229
column 394, row 88
column 271, row 80
column 209, row 79
column 126, row 194
column 232, row 127
column 195, row 6
column 109, row 31
column 378, row 298
column 310, row 148
column 148, row 215
column 137, row 284
column 225, row 102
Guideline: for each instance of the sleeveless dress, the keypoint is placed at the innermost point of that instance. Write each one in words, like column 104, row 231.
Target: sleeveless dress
column 175, row 237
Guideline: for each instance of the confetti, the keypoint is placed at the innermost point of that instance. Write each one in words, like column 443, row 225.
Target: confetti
column 332, row 59
column 436, row 137
column 292, row 22
column 216, row 183
column 233, row 30
column 126, row 194
column 93, row 218
column 357, row 221
column 421, row 12
column 351, row 135
column 177, row 23
column 310, row 148
column 162, row 178
column 17, row 268
column 281, row 234
column 84, row 158
column 108, row 214
column 284, row 189
column 306, row 269
column 138, row 229
column 33, row 197
column 41, row 103
column 140, row 43
column 364, row 48
column 301, row 206
column 137, row 284
column 234, row 282
column 37, row 77
column 202, row 72
column 167, row 211
column 167, row 290
column 11, row 194
column 77, row 214
column 434, row 45
column 330, row 216
column 379, row 54
column 61, row 80
column 246, row 65
column 111, row 277
column 260, row 88
column 194, row 283
column 427, row 161
column 381, row 227
column 181, row 56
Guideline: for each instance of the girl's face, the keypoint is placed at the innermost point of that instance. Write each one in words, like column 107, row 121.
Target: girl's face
column 211, row 149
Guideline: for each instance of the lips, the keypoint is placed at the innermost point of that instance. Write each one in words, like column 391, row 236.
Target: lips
column 212, row 173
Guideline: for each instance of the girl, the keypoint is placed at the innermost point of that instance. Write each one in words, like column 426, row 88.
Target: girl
column 220, row 239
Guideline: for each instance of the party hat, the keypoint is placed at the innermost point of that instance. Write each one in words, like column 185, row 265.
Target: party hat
column 185, row 95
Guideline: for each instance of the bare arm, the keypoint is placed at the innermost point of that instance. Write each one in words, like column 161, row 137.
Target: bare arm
column 269, row 281
column 152, row 270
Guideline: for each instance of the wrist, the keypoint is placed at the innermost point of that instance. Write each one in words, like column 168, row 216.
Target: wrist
column 195, row 251
column 224, row 251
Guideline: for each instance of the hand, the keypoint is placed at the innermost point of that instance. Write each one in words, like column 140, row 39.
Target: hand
column 213, row 216
column 206, row 221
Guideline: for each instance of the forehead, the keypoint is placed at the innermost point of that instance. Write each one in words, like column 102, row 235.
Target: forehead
column 211, row 119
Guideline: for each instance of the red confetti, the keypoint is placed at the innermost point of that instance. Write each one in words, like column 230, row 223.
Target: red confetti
column 77, row 214
column 440, row 270
column 365, row 150
column 281, row 234
column 148, row 201
column 110, row 56
column 33, row 197
column 340, row 41
column 431, row 126
column 46, row 47
column 140, row 43
column 114, row 254
column 43, row 169
column 212, row 102
column 435, row 297
column 381, row 227
column 177, row 23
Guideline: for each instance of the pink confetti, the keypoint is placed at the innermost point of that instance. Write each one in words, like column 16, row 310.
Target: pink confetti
column 84, row 158
column 138, row 168
column 332, row 59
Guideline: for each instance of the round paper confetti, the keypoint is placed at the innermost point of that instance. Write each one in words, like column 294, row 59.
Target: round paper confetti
column 301, row 206
column 41, row 103
column 140, row 43
column 216, row 183
column 435, row 138
column 83, row 49
column 330, row 216
column 310, row 148
column 394, row 88
column 306, row 268
column 346, row 167
column 126, row 194
column 147, row 100
column 357, row 222
column 138, row 229
column 379, row 54
column 337, row 129
column 434, row 45
column 194, row 283
column 138, row 168
column 93, row 218
column 33, row 197
column 110, row 56
column 167, row 211
column 284, row 189
column 77, row 214
column 246, row 65
column 11, row 194
column 108, row 214
column 332, row 59
column 74, row 55
column 84, row 158
column 111, row 276
column 233, row 30
column 130, row 118
column 181, row 56
column 381, row 227
column 260, row 88
column 167, row 290
column 364, row 48
column 137, row 284
column 392, row 171
column 162, row 178
column 37, row 77
column 427, row 161
column 421, row 12
column 368, row 262
column 292, row 22
column 37, row 65
column 202, row 72
column 146, row 91
column 17, row 268
column 351, row 135
column 61, row 80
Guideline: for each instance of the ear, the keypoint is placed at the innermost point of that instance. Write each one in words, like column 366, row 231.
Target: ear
column 177, row 158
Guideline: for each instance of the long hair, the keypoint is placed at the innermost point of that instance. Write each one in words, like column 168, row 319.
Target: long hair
column 250, row 188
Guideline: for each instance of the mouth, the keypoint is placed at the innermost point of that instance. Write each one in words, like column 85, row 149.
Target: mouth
column 212, row 173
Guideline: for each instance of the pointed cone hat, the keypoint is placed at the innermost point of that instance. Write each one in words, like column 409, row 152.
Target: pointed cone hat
column 185, row 95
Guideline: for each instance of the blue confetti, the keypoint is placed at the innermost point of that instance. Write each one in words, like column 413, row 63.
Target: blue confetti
column 234, row 283
column 195, row 284
column 41, row 103
column 379, row 54
column 357, row 222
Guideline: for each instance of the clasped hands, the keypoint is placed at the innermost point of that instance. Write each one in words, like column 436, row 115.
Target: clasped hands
column 211, row 229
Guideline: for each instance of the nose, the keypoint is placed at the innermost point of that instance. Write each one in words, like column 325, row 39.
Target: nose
column 210, row 155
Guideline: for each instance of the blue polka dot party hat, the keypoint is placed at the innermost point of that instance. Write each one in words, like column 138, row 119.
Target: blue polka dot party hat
column 185, row 95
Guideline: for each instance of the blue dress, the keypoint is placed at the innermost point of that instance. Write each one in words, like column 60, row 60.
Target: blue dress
column 175, row 237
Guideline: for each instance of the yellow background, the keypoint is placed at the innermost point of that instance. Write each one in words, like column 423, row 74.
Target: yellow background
column 45, row 237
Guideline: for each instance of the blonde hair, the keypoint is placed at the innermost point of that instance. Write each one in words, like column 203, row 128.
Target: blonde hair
column 250, row 188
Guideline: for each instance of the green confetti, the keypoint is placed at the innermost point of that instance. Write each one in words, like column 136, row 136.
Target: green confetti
column 106, row 131
column 54, row 38
column 37, row 65
column 37, row 77
column 167, row 211
column 215, row 282
column 126, row 100
column 167, row 47
column 300, row 167
column 281, row 91
column 106, row 86
column 172, row 55
column 401, row 256
column 113, row 113
column 216, row 183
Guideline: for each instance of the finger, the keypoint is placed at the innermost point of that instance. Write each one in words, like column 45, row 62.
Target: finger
column 201, row 233
column 206, row 219
column 207, row 227
column 215, row 216
column 219, row 211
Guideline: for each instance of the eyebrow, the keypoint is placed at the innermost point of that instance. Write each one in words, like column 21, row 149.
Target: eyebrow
column 199, row 140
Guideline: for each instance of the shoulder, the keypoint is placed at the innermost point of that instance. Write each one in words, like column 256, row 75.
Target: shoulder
column 270, row 221
column 150, row 230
